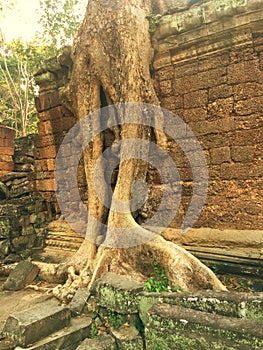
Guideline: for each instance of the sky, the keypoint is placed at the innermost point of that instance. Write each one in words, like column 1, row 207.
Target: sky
column 21, row 21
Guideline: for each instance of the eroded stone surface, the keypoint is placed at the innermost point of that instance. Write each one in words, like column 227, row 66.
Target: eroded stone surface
column 102, row 342
column 180, row 324
column 117, row 292
column 28, row 326
column 24, row 273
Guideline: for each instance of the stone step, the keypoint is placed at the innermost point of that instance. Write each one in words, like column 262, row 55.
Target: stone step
column 33, row 324
column 175, row 327
column 67, row 338
column 234, row 304
column 101, row 342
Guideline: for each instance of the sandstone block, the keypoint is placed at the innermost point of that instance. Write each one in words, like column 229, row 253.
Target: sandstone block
column 24, row 273
column 196, row 99
column 220, row 155
column 117, row 293
column 30, row 325
column 102, row 342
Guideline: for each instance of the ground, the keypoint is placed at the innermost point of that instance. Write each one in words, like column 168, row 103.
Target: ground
column 15, row 301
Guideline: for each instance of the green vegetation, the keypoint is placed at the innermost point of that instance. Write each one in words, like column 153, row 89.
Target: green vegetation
column 158, row 281
column 19, row 60
column 115, row 320
column 93, row 331
column 154, row 21
column 60, row 20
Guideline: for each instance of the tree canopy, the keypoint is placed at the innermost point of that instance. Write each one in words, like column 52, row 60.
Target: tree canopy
column 19, row 59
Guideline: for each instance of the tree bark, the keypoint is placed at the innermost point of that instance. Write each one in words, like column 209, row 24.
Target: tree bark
column 112, row 53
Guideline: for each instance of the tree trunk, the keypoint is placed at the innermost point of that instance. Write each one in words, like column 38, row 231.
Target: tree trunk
column 112, row 54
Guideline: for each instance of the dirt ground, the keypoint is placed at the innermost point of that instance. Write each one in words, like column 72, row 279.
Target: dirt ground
column 14, row 301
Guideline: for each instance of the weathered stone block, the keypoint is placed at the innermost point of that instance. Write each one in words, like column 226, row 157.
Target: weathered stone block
column 220, row 91
column 47, row 101
column 196, row 99
column 67, row 338
column 24, row 273
column 79, row 301
column 220, row 155
column 247, row 90
column 30, row 325
column 117, row 293
column 220, row 108
column 45, row 185
column 186, row 329
column 250, row 106
column 243, row 153
column 102, row 342
column 128, row 338
column 247, row 71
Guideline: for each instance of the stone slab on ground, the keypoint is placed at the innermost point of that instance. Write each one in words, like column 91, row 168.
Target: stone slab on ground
column 188, row 329
column 30, row 325
column 128, row 338
column 67, row 338
column 117, row 293
column 102, row 342
column 24, row 273
column 79, row 301
column 233, row 304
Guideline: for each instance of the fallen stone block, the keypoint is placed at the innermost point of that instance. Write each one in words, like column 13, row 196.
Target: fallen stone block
column 171, row 327
column 233, row 304
column 117, row 293
column 102, row 342
column 24, row 273
column 30, row 325
column 128, row 338
column 79, row 301
column 67, row 338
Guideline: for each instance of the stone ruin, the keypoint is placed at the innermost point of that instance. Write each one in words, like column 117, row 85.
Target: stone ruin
column 208, row 70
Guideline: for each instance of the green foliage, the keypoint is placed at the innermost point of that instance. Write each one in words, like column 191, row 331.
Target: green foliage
column 158, row 281
column 154, row 21
column 115, row 320
column 60, row 20
column 93, row 331
column 18, row 62
column 215, row 268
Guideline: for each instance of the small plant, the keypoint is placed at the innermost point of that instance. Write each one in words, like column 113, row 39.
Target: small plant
column 215, row 269
column 154, row 21
column 93, row 331
column 115, row 319
column 158, row 281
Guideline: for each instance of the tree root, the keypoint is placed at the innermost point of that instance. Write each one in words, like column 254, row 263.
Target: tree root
column 182, row 268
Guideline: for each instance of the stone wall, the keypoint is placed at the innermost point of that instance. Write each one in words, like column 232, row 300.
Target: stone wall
column 208, row 71
column 6, row 150
column 23, row 213
column 55, row 121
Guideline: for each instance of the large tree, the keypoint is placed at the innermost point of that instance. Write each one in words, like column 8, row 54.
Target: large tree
column 111, row 56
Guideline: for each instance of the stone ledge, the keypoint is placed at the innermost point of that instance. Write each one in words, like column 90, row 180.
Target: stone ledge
column 28, row 326
column 183, row 326
column 117, row 292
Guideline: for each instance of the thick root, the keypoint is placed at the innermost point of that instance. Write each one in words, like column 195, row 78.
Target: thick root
column 182, row 268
